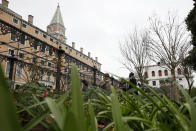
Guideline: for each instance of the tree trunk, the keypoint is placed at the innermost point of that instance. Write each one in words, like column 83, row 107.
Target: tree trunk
column 174, row 89
column 189, row 84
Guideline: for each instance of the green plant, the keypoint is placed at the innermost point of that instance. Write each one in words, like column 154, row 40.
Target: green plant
column 124, row 111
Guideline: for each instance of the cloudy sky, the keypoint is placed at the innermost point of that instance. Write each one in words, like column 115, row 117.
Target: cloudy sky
column 99, row 25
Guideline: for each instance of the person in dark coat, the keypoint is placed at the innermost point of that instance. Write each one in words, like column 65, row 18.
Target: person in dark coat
column 132, row 79
column 84, row 85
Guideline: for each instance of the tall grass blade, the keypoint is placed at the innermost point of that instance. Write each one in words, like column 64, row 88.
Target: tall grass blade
column 8, row 118
column 192, row 108
column 56, row 110
column 70, row 122
column 93, row 121
column 77, row 100
column 119, row 125
column 35, row 121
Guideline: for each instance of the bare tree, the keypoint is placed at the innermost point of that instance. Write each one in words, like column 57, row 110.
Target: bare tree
column 135, row 52
column 187, row 73
column 169, row 44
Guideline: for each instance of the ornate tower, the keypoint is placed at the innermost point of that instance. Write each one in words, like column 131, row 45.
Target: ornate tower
column 56, row 27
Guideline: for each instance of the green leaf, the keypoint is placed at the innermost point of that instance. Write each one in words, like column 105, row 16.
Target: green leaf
column 35, row 121
column 77, row 100
column 57, row 112
column 70, row 122
column 92, row 117
column 192, row 108
column 116, row 113
column 8, row 118
column 133, row 118
column 32, row 106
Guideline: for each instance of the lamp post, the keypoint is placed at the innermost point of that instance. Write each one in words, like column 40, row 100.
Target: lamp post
column 94, row 75
column 112, row 79
column 58, row 77
column 12, row 60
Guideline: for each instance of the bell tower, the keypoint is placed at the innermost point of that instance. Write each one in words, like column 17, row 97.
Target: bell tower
column 56, row 27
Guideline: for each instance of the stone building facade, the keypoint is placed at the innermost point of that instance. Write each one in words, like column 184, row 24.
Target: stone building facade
column 28, row 51
column 160, row 74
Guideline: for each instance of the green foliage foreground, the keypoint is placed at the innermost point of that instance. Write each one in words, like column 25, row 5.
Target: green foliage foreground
column 123, row 111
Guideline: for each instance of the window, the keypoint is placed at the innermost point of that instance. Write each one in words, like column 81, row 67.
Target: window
column 13, row 36
column 48, row 76
column 41, row 75
column 66, row 47
column 51, row 39
column 24, row 25
column 179, row 71
column 36, row 32
column 57, row 42
column 50, row 51
column 43, row 47
column 34, row 60
column 10, row 52
column 44, row 35
column 166, row 72
column 55, row 65
column 54, row 79
column 70, row 50
column 180, row 79
column 160, row 73
column 153, row 73
column 65, row 69
column 42, row 62
column 35, row 45
column 154, row 83
column 21, row 55
column 15, row 20
column 7, row 71
column 22, row 39
column 18, row 70
column 17, row 86
column 49, row 64
column 146, row 74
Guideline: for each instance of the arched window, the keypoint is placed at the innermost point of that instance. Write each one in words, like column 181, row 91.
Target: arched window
column 166, row 72
column 160, row 73
column 153, row 73
column 179, row 71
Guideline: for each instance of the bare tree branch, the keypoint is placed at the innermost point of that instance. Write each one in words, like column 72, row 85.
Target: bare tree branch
column 170, row 43
column 135, row 52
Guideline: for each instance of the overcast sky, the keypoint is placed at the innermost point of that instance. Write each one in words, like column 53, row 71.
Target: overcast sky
column 99, row 25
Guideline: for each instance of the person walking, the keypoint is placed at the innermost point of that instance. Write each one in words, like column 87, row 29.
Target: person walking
column 132, row 80
column 84, row 85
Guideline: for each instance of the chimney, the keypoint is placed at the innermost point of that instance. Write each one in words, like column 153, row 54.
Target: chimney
column 81, row 50
column 30, row 19
column 96, row 59
column 89, row 54
column 73, row 45
column 5, row 3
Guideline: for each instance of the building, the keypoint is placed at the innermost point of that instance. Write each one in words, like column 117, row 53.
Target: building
column 159, row 74
column 29, row 53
